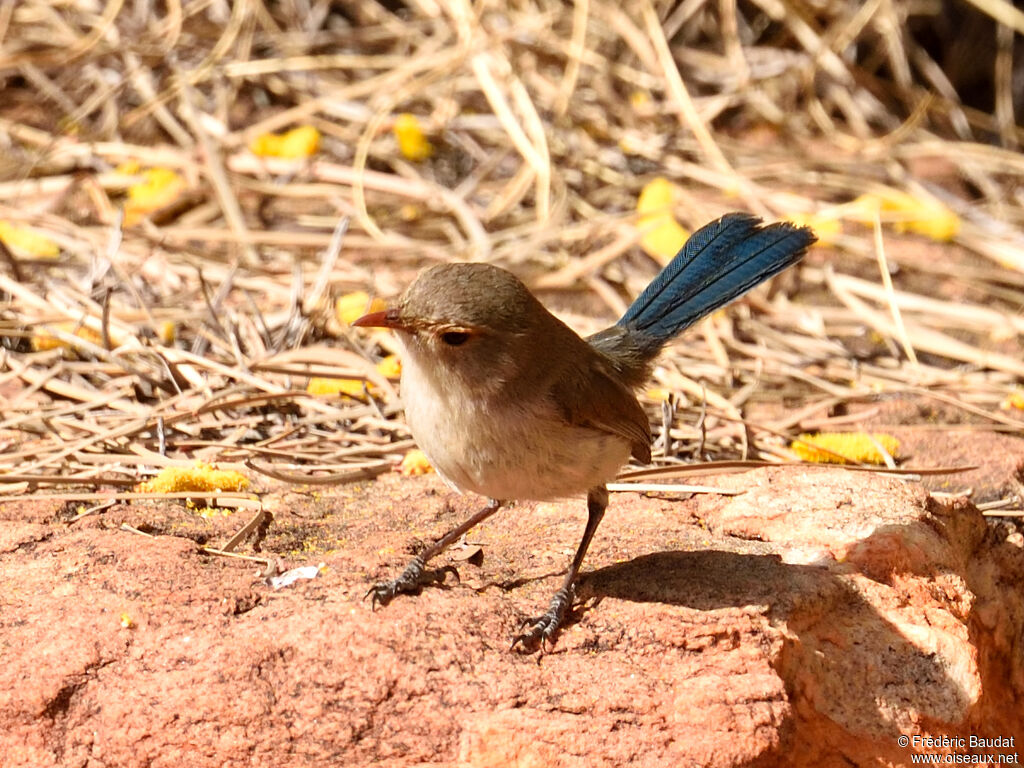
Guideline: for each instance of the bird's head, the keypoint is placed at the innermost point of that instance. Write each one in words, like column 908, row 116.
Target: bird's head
column 474, row 324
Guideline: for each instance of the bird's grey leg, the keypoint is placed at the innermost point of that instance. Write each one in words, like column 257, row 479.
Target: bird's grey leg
column 412, row 578
column 543, row 627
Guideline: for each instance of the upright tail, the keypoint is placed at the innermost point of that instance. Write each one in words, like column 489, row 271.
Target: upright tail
column 720, row 262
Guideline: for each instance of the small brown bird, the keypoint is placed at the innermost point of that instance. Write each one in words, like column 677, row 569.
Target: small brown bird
column 509, row 402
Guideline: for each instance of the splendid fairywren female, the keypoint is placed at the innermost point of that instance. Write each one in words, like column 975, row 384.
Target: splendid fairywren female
column 509, row 402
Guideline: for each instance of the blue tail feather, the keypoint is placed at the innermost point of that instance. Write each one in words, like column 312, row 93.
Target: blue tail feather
column 719, row 263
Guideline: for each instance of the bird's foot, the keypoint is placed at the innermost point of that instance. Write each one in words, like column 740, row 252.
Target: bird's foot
column 542, row 628
column 411, row 581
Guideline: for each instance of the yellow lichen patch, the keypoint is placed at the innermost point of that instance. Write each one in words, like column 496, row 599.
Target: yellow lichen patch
column 27, row 243
column 390, row 367
column 415, row 462
column 202, row 477
column 411, row 142
column 290, row 145
column 352, row 306
column 663, row 235
column 321, row 385
column 825, row 228
column 43, row 341
column 854, row 447
column 907, row 213
column 159, row 188
column 210, row 512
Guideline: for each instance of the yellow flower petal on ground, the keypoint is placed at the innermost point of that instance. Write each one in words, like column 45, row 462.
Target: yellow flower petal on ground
column 202, row 477
column 826, row 228
column 159, row 188
column 410, row 212
column 265, row 145
column 855, row 447
column 352, row 306
column 44, row 340
column 128, row 168
column 390, row 367
column 415, row 462
column 298, row 142
column 659, row 394
column 44, row 343
column 411, row 142
column 639, row 99
column 663, row 235
column 1014, row 400
column 657, row 197
column 907, row 213
column 167, row 331
column 27, row 243
column 665, row 239
column 320, row 385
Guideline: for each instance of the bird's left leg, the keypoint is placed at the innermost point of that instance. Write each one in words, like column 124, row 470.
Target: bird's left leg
column 543, row 627
column 412, row 578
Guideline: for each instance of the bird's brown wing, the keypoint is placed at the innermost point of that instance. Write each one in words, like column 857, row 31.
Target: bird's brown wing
column 592, row 397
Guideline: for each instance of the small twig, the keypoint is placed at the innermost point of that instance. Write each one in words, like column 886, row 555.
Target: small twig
column 266, row 561
column 338, row 478
column 92, row 511
column 259, row 522
column 132, row 529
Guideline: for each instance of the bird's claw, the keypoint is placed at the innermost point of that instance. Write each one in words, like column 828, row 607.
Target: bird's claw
column 542, row 628
column 410, row 581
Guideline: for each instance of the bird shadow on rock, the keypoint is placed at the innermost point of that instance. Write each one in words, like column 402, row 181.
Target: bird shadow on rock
column 838, row 654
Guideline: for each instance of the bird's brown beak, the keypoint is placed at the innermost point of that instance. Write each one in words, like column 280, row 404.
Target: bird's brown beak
column 389, row 318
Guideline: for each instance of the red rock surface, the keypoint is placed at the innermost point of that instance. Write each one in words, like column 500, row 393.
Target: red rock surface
column 812, row 620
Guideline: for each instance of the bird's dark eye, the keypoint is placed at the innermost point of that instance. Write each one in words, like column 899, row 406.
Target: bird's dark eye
column 454, row 338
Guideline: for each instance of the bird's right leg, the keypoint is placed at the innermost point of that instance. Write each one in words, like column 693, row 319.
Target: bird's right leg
column 544, row 627
column 412, row 578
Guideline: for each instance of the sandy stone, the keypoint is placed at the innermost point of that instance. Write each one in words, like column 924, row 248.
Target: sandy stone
column 810, row 620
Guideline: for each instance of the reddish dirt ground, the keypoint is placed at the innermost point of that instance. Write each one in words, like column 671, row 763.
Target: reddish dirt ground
column 818, row 615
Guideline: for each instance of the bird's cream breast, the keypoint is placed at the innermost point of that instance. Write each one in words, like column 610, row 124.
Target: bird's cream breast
column 511, row 451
